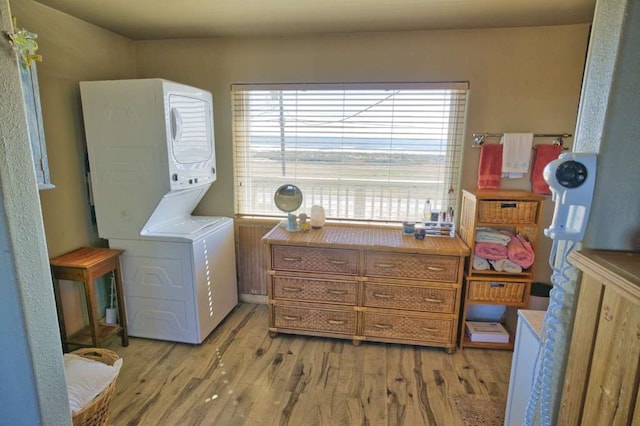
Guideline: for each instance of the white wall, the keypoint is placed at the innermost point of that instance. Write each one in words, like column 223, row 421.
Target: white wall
column 609, row 125
column 32, row 387
column 522, row 79
column 72, row 51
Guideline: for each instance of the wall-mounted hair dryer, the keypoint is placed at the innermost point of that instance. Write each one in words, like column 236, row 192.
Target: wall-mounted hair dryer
column 571, row 179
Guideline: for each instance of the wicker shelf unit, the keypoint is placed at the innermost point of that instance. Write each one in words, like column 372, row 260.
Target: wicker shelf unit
column 512, row 210
column 365, row 284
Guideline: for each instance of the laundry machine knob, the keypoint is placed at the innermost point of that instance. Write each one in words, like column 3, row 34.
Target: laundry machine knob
column 190, row 181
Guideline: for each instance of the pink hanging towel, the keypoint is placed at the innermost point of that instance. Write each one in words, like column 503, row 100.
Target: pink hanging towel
column 543, row 155
column 490, row 166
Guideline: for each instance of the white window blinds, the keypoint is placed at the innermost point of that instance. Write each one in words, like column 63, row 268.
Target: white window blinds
column 372, row 152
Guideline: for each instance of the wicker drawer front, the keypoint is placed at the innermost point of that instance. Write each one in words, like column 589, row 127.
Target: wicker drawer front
column 312, row 259
column 415, row 266
column 341, row 322
column 315, row 290
column 407, row 327
column 424, row 299
column 496, row 291
column 507, row 211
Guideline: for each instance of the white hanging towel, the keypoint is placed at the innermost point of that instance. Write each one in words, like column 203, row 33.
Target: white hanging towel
column 516, row 154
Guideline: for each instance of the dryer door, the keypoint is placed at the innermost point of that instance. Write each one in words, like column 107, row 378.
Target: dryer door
column 191, row 130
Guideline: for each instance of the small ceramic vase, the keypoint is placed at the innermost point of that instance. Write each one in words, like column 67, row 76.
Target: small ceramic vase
column 317, row 217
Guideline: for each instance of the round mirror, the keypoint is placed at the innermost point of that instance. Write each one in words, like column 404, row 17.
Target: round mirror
column 288, row 198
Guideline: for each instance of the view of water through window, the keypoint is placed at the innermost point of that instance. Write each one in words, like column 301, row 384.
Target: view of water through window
column 361, row 154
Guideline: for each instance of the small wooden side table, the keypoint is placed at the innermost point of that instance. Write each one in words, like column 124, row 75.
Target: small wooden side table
column 85, row 265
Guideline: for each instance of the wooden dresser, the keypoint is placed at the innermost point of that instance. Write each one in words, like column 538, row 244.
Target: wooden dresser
column 603, row 368
column 365, row 283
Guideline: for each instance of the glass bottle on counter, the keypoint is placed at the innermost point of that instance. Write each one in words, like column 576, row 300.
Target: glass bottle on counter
column 426, row 214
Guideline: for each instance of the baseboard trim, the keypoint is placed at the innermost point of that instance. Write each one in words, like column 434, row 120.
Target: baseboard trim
column 254, row 298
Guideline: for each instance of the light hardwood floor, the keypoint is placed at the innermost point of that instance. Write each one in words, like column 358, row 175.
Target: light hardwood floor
column 241, row 376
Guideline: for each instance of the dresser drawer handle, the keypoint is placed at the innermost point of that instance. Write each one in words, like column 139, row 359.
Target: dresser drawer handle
column 385, row 265
column 496, row 285
column 291, row 318
column 383, row 326
column 431, row 300
column 430, row 330
column 383, row 295
column 292, row 259
column 292, row 289
column 435, row 268
column 336, row 322
column 337, row 262
column 336, row 292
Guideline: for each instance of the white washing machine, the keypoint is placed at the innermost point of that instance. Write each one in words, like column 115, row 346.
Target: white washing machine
column 152, row 159
column 181, row 282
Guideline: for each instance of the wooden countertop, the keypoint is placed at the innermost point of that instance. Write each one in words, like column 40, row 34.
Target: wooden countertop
column 369, row 237
column 533, row 319
column 617, row 268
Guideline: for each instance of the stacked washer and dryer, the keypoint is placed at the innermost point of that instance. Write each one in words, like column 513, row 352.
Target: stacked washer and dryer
column 152, row 159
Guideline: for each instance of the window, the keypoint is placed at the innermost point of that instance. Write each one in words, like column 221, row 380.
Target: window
column 374, row 152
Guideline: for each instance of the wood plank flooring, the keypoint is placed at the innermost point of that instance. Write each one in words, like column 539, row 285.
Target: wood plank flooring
column 241, row 376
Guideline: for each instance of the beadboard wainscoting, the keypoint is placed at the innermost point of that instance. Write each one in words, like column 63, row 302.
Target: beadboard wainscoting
column 250, row 258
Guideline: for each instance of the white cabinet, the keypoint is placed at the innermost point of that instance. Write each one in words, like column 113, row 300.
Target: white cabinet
column 523, row 364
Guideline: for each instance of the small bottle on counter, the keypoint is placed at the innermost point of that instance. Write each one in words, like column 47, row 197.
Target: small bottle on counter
column 426, row 215
column 408, row 227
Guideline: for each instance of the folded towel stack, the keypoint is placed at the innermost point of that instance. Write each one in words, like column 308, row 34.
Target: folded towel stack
column 506, row 265
column 491, row 251
column 480, row 263
column 502, row 251
column 488, row 235
column 520, row 251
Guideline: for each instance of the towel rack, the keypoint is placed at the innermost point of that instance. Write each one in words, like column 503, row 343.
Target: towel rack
column 478, row 138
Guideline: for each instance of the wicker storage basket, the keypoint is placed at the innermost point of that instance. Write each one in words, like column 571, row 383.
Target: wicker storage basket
column 507, row 211
column 96, row 412
column 496, row 292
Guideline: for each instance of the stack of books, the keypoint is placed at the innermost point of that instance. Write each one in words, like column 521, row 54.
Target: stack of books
column 486, row 332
